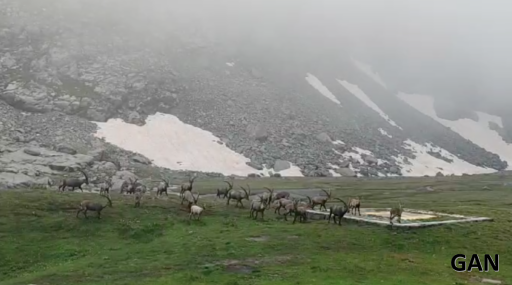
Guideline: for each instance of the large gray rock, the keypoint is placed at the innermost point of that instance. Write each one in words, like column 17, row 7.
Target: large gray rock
column 120, row 177
column 15, row 180
column 281, row 165
column 46, row 161
column 346, row 172
column 323, row 137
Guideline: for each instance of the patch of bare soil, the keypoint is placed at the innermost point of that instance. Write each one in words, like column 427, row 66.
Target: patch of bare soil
column 249, row 265
column 259, row 239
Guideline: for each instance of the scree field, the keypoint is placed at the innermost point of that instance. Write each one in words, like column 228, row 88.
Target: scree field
column 42, row 242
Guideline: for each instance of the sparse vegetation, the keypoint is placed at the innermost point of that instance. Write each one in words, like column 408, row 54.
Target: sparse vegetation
column 42, row 242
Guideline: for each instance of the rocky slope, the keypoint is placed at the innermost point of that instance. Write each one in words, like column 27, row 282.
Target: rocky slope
column 65, row 63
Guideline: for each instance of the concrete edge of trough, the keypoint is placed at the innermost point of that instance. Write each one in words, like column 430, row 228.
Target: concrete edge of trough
column 461, row 218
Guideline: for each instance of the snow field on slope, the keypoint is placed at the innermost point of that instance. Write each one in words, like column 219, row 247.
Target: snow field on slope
column 477, row 132
column 170, row 143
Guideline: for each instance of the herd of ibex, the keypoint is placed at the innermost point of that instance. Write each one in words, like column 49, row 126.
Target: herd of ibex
column 280, row 201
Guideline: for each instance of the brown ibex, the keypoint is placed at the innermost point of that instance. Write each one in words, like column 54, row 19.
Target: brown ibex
column 321, row 200
column 354, row 204
column 282, row 195
column 396, row 212
column 258, row 207
column 301, row 211
column 74, row 183
column 88, row 205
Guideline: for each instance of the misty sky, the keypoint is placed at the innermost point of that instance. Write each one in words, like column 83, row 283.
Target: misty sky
column 460, row 46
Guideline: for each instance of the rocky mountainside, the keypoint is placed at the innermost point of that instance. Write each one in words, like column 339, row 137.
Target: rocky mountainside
column 66, row 63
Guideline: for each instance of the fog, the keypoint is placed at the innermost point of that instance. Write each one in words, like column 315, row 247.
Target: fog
column 450, row 49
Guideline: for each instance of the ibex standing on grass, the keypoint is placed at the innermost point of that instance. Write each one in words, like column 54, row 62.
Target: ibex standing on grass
column 301, row 211
column 74, row 183
column 338, row 211
column 223, row 192
column 238, row 195
column 162, row 187
column 194, row 209
column 321, row 200
column 88, row 205
column 138, row 199
column 258, row 207
column 187, row 186
column 105, row 187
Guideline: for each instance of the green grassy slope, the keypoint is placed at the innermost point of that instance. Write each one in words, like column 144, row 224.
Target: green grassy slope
column 42, row 242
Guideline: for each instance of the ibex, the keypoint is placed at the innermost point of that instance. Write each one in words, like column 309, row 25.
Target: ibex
column 301, row 211
column 238, row 195
column 125, row 187
column 280, row 204
column 396, row 212
column 289, row 208
column 282, row 195
column 321, row 200
column 268, row 196
column 337, row 211
column 258, row 207
column 354, row 204
column 189, row 197
column 138, row 198
column 194, row 209
column 105, row 187
column 162, row 187
column 223, row 192
column 74, row 183
column 187, row 186
column 135, row 186
column 88, row 205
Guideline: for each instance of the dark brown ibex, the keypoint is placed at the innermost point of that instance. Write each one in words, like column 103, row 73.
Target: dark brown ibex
column 88, row 205
column 338, row 211
column 74, row 183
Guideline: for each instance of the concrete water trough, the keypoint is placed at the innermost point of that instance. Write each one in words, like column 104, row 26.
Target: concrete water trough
column 411, row 218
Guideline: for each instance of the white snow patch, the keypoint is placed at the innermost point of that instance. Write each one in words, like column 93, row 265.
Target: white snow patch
column 318, row 85
column 356, row 91
column 426, row 164
column 230, row 64
column 333, row 165
column 337, row 142
column 170, row 143
column 368, row 70
column 477, row 132
column 384, row 133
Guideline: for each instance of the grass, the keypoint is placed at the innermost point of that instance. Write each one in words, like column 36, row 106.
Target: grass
column 42, row 242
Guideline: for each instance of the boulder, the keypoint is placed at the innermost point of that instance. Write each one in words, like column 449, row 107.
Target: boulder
column 346, row 172
column 280, row 165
